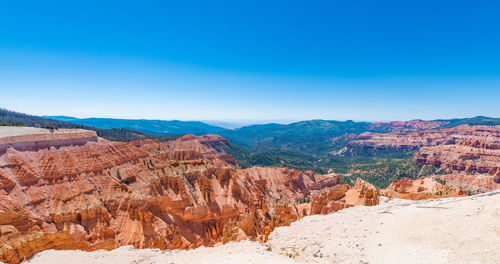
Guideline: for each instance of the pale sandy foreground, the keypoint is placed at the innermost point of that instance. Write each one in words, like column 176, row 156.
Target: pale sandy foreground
column 466, row 231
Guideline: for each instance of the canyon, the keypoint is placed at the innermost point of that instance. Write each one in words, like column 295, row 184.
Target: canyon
column 70, row 189
column 89, row 193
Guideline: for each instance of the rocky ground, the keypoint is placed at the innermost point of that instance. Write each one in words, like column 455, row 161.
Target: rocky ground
column 397, row 231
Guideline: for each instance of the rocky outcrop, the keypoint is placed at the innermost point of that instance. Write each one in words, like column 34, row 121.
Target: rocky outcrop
column 472, row 183
column 343, row 196
column 423, row 188
column 175, row 194
column 330, row 200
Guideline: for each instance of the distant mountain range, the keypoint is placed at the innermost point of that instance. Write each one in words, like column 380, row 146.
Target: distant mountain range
column 234, row 124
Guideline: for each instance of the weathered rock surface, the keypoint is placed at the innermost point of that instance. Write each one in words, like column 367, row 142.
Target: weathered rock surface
column 177, row 194
column 420, row 189
column 396, row 231
column 343, row 196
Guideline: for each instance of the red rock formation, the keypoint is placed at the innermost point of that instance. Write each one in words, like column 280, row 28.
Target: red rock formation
column 472, row 153
column 474, row 159
column 329, row 200
column 343, row 196
column 430, row 137
column 469, row 156
column 412, row 125
column 177, row 194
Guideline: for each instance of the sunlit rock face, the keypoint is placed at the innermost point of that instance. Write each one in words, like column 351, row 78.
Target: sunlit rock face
column 470, row 156
column 343, row 196
column 98, row 194
column 474, row 159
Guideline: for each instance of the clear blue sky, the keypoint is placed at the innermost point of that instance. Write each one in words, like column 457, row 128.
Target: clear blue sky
column 220, row 60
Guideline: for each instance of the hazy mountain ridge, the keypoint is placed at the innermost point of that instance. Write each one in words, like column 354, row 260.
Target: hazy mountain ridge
column 161, row 127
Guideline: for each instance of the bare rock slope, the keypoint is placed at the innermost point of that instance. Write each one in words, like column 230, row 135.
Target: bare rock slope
column 399, row 231
column 98, row 194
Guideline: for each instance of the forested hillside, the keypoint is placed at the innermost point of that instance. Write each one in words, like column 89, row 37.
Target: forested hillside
column 152, row 127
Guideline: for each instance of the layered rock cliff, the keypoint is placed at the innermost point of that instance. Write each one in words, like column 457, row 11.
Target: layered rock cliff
column 470, row 153
column 429, row 137
column 177, row 194
column 470, row 156
column 474, row 158
column 412, row 125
